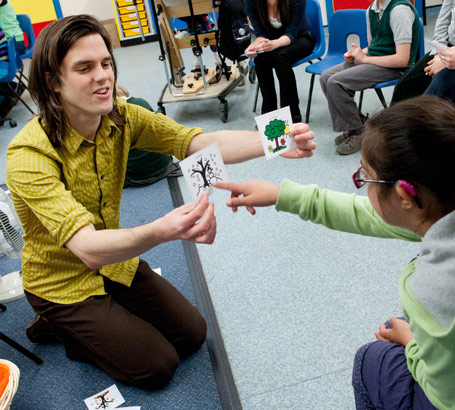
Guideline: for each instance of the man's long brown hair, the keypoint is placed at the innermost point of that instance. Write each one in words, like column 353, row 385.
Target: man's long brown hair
column 50, row 49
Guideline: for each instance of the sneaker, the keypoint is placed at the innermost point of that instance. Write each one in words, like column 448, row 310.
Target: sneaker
column 351, row 145
column 341, row 138
column 40, row 330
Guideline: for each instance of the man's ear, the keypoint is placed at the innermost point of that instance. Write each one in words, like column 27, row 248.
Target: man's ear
column 47, row 78
column 407, row 201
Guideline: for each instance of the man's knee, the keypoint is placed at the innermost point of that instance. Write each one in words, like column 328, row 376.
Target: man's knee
column 154, row 372
column 195, row 336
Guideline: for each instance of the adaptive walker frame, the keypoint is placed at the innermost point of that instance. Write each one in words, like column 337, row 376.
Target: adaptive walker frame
column 192, row 86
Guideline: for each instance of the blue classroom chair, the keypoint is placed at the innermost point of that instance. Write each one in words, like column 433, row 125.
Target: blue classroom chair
column 342, row 24
column 8, row 72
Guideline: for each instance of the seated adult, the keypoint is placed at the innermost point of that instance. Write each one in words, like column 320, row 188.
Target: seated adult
column 283, row 37
column 65, row 171
column 418, row 78
column 443, row 83
column 393, row 40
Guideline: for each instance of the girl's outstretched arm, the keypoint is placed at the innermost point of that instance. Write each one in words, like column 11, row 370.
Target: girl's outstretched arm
column 250, row 194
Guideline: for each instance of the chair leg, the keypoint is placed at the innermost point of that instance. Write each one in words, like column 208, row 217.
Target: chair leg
column 20, row 348
column 256, row 98
column 310, row 95
column 360, row 101
column 19, row 97
column 21, row 78
column 381, row 97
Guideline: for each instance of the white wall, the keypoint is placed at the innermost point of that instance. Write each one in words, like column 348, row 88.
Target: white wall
column 323, row 12
column 102, row 9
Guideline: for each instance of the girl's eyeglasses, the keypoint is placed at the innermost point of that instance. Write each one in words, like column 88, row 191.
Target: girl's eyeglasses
column 359, row 179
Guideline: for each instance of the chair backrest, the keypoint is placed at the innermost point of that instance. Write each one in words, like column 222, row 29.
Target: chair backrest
column 26, row 25
column 313, row 12
column 421, row 49
column 334, row 5
column 14, row 61
column 343, row 24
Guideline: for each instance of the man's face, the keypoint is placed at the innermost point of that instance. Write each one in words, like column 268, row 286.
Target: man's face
column 87, row 80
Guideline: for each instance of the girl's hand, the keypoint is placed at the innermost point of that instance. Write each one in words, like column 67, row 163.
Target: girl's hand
column 399, row 333
column 250, row 194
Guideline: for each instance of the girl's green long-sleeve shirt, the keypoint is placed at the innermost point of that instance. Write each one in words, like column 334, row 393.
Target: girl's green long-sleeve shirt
column 426, row 286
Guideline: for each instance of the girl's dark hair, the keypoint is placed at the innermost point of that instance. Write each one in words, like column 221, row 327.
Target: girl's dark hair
column 414, row 140
column 50, row 49
column 284, row 10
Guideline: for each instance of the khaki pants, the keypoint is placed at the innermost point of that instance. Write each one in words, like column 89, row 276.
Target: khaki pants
column 339, row 85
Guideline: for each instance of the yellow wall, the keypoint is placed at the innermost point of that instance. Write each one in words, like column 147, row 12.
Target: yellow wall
column 39, row 11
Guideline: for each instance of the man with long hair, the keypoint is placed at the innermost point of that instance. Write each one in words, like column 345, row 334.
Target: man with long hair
column 65, row 171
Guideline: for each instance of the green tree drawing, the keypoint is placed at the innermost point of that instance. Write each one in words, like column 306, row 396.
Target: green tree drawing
column 273, row 130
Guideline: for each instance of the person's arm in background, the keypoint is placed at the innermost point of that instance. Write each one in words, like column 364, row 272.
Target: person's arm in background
column 401, row 21
column 298, row 17
column 348, row 56
column 259, row 30
column 444, row 20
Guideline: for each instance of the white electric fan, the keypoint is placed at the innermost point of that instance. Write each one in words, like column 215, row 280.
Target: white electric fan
column 11, row 244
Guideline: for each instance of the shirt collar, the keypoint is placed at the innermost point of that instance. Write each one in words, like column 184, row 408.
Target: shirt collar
column 73, row 140
column 384, row 6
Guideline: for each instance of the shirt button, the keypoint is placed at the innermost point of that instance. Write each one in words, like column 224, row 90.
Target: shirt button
column 102, row 177
column 104, row 204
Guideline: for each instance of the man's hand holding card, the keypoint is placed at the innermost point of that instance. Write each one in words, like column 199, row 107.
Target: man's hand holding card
column 303, row 138
column 280, row 136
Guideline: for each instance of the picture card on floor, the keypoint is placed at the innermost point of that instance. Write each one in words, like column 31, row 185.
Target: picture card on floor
column 275, row 131
column 202, row 169
column 109, row 398
column 129, row 408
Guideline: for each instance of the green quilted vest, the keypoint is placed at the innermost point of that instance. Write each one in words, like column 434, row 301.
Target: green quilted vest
column 382, row 43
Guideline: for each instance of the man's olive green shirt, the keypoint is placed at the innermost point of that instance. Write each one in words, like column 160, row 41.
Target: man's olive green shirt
column 57, row 191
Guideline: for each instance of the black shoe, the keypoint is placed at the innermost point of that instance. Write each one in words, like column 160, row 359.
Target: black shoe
column 364, row 117
column 296, row 118
column 40, row 330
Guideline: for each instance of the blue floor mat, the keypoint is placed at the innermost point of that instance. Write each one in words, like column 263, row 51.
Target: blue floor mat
column 63, row 384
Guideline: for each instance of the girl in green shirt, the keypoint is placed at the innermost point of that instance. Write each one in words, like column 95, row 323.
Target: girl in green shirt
column 408, row 165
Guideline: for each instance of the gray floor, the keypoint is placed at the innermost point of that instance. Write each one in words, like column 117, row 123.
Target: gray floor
column 294, row 300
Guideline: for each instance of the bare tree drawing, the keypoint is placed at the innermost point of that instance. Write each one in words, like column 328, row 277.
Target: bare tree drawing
column 204, row 169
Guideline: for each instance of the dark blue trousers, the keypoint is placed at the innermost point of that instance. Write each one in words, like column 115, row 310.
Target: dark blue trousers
column 381, row 379
column 443, row 85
